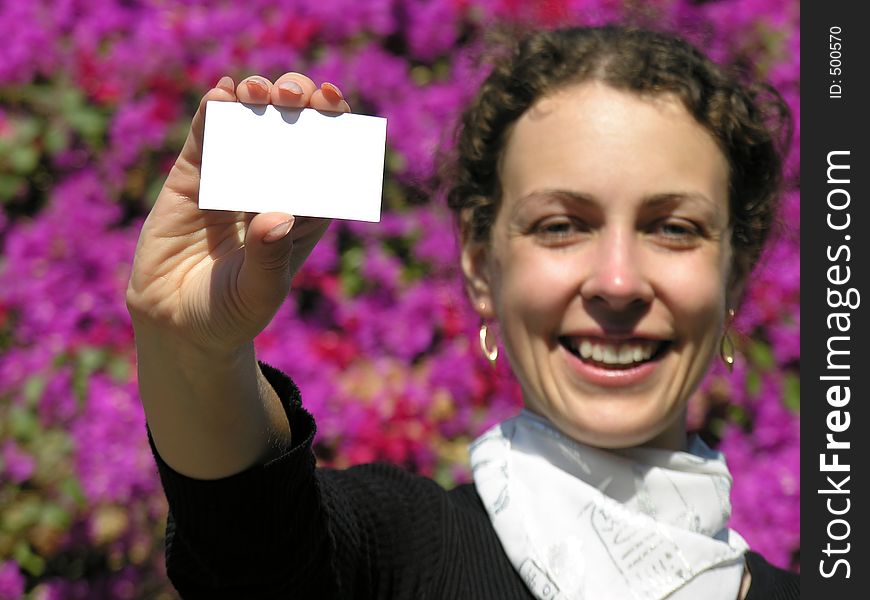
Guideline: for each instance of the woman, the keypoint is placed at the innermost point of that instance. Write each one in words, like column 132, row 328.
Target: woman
column 613, row 190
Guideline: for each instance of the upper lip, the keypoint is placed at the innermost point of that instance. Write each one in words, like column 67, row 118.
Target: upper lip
column 615, row 336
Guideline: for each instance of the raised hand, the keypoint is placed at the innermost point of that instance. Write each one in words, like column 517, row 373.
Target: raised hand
column 216, row 278
column 204, row 284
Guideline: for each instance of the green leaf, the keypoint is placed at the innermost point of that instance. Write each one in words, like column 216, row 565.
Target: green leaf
column 421, row 75
column 23, row 423
column 26, row 130
column 87, row 361
column 792, row 392
column 10, row 186
column 395, row 162
column 444, row 475
column 71, row 488
column 28, row 560
column 119, row 369
column 761, row 355
column 753, row 383
column 737, row 414
column 441, row 69
column 56, row 139
column 53, row 454
column 21, row 515
column 717, row 427
column 69, row 100
column 351, row 279
column 414, row 272
column 54, row 516
column 23, row 159
column 90, row 359
column 33, row 388
column 88, row 123
column 83, row 118
column 394, row 195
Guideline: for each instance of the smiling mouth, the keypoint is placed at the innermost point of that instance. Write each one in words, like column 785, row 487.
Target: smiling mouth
column 614, row 355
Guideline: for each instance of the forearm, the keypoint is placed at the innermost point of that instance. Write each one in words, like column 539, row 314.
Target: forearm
column 210, row 415
column 262, row 533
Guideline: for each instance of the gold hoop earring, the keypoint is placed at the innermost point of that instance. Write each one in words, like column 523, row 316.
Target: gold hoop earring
column 490, row 354
column 726, row 344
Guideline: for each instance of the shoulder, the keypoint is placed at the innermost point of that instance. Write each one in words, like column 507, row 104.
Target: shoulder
column 410, row 511
column 383, row 507
column 388, row 488
column 381, row 492
column 770, row 582
column 442, row 540
column 383, row 485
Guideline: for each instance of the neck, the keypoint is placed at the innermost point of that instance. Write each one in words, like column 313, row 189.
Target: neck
column 673, row 437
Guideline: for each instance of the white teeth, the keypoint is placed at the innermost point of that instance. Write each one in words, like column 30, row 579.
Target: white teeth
column 612, row 354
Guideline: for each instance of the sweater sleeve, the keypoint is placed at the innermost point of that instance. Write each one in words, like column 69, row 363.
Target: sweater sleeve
column 261, row 533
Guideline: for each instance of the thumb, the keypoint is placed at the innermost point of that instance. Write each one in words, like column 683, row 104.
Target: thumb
column 264, row 278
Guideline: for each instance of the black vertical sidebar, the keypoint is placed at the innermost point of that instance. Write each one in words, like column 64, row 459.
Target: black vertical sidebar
column 835, row 300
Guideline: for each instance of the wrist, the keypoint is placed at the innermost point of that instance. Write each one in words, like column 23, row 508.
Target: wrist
column 158, row 345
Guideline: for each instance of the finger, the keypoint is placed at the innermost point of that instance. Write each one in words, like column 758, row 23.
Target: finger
column 191, row 153
column 329, row 98
column 264, row 279
column 292, row 90
column 254, row 90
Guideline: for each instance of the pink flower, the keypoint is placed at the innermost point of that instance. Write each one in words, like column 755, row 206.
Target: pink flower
column 11, row 581
column 17, row 465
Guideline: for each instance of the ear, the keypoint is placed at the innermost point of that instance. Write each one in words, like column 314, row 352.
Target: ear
column 477, row 274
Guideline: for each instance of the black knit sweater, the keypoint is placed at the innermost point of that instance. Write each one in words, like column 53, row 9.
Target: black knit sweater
column 288, row 530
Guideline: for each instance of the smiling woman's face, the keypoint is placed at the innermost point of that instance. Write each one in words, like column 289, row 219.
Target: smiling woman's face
column 608, row 263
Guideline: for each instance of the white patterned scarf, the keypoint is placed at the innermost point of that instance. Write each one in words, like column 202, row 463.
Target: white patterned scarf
column 579, row 522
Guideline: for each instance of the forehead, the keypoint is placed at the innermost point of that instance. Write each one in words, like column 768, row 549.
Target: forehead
column 609, row 143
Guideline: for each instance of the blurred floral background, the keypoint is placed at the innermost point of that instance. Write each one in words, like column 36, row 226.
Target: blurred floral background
column 95, row 99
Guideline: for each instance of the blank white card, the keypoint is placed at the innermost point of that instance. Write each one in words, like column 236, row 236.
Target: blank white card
column 300, row 162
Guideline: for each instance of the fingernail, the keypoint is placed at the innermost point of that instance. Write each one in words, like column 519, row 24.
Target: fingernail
column 255, row 86
column 332, row 93
column 279, row 231
column 226, row 83
column 290, row 87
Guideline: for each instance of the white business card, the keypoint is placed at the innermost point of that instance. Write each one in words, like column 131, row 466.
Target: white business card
column 297, row 161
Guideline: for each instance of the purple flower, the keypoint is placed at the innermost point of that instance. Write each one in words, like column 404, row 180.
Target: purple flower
column 377, row 333
column 11, row 581
column 111, row 467
column 17, row 465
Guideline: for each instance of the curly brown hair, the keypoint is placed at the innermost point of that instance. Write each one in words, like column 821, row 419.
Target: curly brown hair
column 750, row 121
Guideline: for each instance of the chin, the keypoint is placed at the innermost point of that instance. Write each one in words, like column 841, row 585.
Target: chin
column 611, row 430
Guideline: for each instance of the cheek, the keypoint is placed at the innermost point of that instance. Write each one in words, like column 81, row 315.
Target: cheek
column 533, row 288
column 696, row 298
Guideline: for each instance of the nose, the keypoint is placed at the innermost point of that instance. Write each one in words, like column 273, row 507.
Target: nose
column 618, row 277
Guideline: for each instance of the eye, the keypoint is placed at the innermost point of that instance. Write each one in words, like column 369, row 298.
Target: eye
column 559, row 229
column 678, row 232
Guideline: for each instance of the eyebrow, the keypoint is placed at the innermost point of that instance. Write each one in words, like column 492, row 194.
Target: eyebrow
column 671, row 197
column 653, row 201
